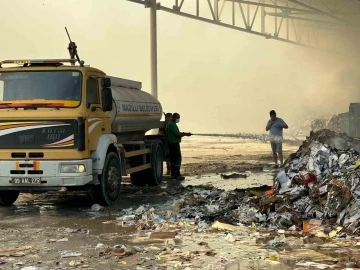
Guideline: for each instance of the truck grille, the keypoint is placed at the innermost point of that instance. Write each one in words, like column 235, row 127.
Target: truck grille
column 17, row 171
column 30, row 155
column 36, row 155
column 28, row 172
column 35, row 172
column 18, row 155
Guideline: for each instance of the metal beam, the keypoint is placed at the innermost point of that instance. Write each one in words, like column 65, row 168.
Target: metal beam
column 290, row 21
column 169, row 10
column 317, row 10
column 300, row 18
column 142, row 2
column 273, row 6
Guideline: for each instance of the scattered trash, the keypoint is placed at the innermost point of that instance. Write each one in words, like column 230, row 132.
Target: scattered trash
column 31, row 268
column 350, row 265
column 230, row 238
column 169, row 242
column 127, row 218
column 85, row 231
column 58, row 240
column 69, row 254
column 313, row 264
column 16, row 252
column 275, row 258
column 97, row 208
column 141, row 261
column 99, row 246
column 312, row 224
column 162, row 235
column 227, row 227
column 75, row 263
column 234, row 175
column 118, row 250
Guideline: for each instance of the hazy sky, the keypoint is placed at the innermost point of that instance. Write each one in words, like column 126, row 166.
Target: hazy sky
column 219, row 80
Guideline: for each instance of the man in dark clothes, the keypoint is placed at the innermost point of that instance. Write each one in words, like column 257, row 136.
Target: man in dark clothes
column 174, row 138
column 163, row 132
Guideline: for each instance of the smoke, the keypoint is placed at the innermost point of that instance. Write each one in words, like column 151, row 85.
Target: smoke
column 240, row 78
column 334, row 83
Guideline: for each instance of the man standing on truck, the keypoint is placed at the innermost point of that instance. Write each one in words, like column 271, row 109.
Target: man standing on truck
column 174, row 138
column 163, row 132
column 276, row 126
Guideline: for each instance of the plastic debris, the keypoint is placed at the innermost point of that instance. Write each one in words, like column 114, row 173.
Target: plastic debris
column 69, row 254
column 31, row 268
column 227, row 227
column 58, row 240
column 97, row 208
column 234, row 175
column 16, row 252
column 230, row 238
column 69, row 230
column 100, row 246
column 313, row 264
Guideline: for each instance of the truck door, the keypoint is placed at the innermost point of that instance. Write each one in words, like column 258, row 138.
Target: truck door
column 96, row 118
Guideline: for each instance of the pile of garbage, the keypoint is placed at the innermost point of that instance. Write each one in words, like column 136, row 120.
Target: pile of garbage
column 202, row 204
column 319, row 187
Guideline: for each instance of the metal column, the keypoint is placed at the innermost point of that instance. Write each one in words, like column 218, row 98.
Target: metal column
column 153, row 48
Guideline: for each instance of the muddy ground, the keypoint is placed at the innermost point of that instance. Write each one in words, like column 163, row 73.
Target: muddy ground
column 62, row 231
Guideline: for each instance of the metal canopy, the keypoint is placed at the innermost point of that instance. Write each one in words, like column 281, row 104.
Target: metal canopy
column 328, row 25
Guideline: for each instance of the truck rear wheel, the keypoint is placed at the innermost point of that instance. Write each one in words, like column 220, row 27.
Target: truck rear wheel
column 155, row 173
column 8, row 197
column 108, row 191
column 152, row 176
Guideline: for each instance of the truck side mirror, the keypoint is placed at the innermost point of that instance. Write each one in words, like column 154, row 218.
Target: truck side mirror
column 106, row 82
column 107, row 100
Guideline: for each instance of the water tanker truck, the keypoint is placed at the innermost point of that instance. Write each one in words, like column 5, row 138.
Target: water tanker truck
column 66, row 126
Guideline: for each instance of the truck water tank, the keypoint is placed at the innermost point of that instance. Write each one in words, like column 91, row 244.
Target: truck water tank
column 133, row 109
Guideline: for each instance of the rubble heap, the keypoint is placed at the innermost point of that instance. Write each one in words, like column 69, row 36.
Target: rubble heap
column 319, row 182
column 202, row 204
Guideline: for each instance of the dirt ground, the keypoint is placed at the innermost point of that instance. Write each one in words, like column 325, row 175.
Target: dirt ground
column 62, row 231
column 205, row 158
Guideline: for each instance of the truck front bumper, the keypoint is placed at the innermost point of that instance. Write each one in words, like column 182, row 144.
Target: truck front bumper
column 44, row 174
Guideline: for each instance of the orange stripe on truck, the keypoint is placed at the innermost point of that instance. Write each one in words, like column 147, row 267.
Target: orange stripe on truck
column 36, row 165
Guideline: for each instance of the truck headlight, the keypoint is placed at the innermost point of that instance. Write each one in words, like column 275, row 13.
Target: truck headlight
column 72, row 168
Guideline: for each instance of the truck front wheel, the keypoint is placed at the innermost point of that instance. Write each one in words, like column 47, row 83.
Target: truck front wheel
column 8, row 197
column 108, row 191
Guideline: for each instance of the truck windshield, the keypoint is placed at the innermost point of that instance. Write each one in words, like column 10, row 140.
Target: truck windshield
column 40, row 88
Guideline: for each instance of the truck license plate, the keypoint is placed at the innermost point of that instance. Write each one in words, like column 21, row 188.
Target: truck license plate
column 26, row 180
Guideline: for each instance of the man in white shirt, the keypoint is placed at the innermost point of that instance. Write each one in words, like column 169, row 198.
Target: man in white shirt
column 276, row 126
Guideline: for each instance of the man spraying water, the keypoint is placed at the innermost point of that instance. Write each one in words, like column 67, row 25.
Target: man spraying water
column 174, row 138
